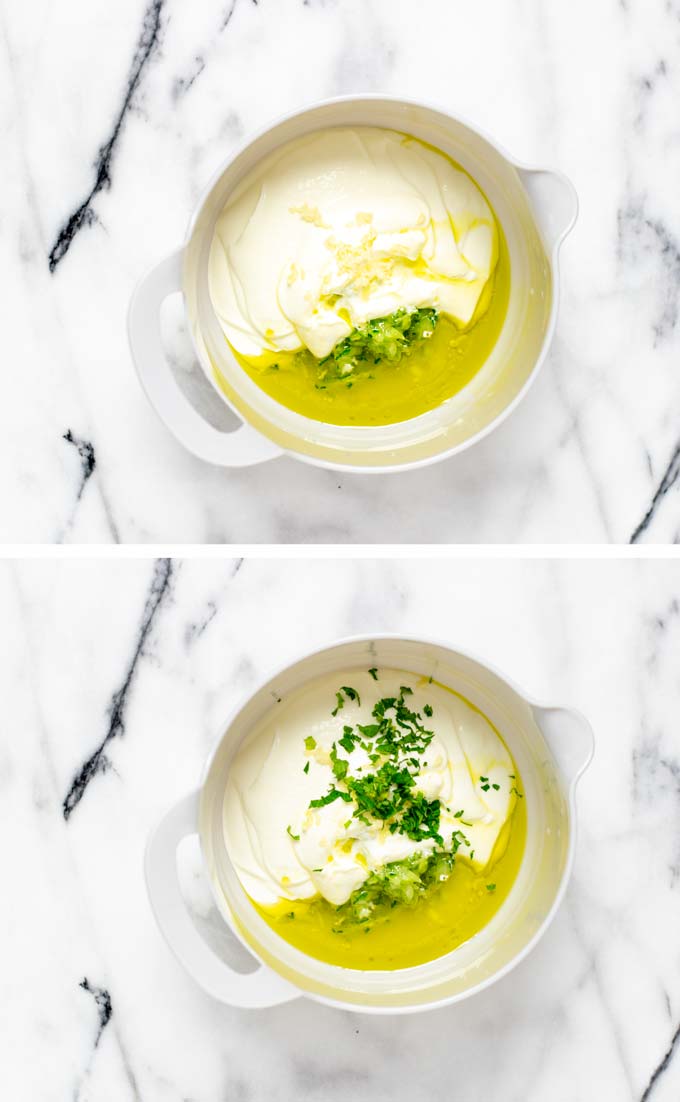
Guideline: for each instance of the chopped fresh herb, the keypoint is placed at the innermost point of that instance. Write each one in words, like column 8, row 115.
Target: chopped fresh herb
column 459, row 814
column 496, row 787
column 334, row 794
column 310, row 743
column 306, row 768
column 386, row 795
column 428, row 710
column 291, row 914
column 295, row 837
column 350, row 693
column 374, row 673
column 485, row 787
column 349, row 739
column 483, row 778
column 517, row 792
column 491, row 887
column 339, row 765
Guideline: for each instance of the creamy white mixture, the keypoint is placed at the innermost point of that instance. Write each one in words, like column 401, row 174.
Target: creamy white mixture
column 342, row 226
column 268, row 790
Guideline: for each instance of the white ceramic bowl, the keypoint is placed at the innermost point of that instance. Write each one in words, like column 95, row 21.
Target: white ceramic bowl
column 551, row 746
column 536, row 208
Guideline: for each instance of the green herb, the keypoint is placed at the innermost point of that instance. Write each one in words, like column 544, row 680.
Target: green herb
column 291, row 914
column 458, row 839
column 491, row 887
column 387, row 794
column 295, row 837
column 389, row 338
column 517, row 792
column 349, row 739
column 485, row 787
column 496, row 787
column 428, row 710
column 374, row 673
column 310, row 743
column 339, row 765
column 333, row 794
column 306, row 768
column 350, row 693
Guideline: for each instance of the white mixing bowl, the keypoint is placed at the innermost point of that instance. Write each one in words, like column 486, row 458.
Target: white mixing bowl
column 551, row 746
column 536, row 209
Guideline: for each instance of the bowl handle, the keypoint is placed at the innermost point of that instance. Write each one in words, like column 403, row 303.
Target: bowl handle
column 570, row 738
column 241, row 448
column 554, row 202
column 251, row 989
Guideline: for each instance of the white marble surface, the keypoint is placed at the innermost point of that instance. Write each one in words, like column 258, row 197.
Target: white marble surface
column 142, row 663
column 112, row 118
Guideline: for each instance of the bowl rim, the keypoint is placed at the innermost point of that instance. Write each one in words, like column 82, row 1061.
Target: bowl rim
column 551, row 252
column 570, row 785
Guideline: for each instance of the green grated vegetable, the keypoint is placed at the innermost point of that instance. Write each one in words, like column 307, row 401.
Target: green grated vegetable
column 383, row 339
column 400, row 882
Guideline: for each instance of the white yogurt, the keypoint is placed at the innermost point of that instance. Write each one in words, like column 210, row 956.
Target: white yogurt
column 342, row 226
column 326, row 851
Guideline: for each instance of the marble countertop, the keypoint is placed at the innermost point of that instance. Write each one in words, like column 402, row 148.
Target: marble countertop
column 116, row 678
column 113, row 118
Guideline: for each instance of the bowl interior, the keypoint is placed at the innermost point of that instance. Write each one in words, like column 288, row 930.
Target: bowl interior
column 506, row 372
column 535, row 892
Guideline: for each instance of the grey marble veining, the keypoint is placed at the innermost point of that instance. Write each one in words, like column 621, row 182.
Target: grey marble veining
column 116, row 679
column 113, row 118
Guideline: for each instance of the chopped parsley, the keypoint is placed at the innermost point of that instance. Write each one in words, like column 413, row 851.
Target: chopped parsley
column 491, row 887
column 331, row 795
column 394, row 744
column 310, row 743
column 350, row 693
column 295, row 837
column 306, row 768
column 374, row 673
